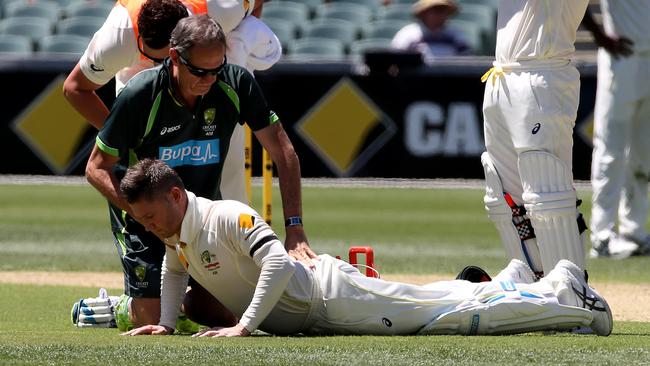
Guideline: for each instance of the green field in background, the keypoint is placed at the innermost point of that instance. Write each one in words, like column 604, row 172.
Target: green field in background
column 420, row 231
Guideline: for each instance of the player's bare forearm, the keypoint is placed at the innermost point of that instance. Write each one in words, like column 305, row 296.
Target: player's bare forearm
column 275, row 140
column 616, row 46
column 100, row 175
column 80, row 93
column 277, row 143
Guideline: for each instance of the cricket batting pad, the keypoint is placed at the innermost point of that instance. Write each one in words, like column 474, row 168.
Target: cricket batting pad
column 513, row 308
column 550, row 200
column 502, row 215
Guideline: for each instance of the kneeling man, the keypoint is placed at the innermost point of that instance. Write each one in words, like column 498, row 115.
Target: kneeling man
column 236, row 256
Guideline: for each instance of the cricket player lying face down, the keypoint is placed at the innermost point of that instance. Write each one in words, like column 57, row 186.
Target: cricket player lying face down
column 235, row 255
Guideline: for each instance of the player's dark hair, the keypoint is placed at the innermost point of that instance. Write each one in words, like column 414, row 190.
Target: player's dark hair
column 148, row 178
column 157, row 19
column 196, row 30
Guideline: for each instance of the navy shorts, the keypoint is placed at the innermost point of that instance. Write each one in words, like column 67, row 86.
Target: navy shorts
column 141, row 254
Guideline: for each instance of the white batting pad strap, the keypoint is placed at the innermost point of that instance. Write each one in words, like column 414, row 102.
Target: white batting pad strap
column 501, row 214
column 550, row 200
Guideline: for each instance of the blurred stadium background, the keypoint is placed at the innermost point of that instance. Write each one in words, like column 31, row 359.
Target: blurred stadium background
column 350, row 109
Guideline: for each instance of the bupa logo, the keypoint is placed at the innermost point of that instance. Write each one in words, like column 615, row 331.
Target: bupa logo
column 192, row 152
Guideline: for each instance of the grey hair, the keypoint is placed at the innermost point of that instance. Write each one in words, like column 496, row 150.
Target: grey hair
column 195, row 30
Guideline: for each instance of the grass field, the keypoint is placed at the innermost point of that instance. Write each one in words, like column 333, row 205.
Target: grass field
column 413, row 231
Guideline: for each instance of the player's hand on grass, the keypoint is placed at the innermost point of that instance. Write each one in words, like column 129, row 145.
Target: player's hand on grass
column 297, row 246
column 150, row 329
column 236, row 331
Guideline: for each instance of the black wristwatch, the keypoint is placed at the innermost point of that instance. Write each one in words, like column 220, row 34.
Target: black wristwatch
column 293, row 221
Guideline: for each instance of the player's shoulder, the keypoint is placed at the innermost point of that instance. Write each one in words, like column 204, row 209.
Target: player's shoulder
column 236, row 76
column 229, row 213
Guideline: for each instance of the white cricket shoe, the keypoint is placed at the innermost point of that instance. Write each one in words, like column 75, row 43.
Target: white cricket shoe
column 516, row 271
column 615, row 247
column 643, row 244
column 586, row 297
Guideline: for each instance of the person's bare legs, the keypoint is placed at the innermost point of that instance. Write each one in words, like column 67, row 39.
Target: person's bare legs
column 144, row 311
column 203, row 308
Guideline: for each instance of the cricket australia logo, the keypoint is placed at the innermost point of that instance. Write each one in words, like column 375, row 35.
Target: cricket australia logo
column 208, row 118
column 208, row 262
column 140, row 274
column 191, row 152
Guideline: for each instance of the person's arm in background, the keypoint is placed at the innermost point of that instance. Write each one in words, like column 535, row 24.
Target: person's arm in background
column 99, row 173
column 257, row 12
column 275, row 140
column 617, row 46
column 110, row 50
column 80, row 93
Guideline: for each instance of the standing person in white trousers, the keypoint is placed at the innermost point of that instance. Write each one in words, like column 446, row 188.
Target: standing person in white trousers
column 621, row 155
column 530, row 105
column 236, row 256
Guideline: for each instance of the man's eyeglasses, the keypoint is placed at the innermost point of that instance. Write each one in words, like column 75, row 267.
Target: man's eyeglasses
column 200, row 72
column 156, row 60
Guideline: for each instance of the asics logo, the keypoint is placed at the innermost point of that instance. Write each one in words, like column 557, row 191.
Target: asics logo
column 165, row 130
column 387, row 322
column 95, row 68
column 536, row 128
column 588, row 302
column 192, row 152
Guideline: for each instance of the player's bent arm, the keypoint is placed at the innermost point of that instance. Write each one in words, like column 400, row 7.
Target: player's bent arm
column 276, row 271
column 80, row 93
column 99, row 173
column 172, row 287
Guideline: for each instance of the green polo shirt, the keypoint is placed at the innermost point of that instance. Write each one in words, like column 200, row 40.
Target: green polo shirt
column 146, row 121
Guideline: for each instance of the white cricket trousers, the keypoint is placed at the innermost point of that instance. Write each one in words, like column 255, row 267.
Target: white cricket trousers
column 621, row 155
column 351, row 303
column 528, row 107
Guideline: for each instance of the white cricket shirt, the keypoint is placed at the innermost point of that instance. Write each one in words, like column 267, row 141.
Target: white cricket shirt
column 537, row 30
column 228, row 249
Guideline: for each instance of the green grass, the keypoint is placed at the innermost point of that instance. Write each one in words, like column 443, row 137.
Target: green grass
column 53, row 228
column 411, row 230
column 35, row 329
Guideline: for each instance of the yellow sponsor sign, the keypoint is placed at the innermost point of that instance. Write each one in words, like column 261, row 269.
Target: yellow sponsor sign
column 51, row 127
column 338, row 127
